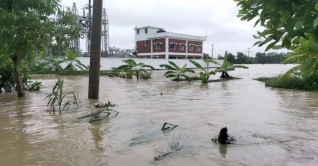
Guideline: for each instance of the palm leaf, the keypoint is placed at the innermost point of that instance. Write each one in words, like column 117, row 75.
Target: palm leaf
column 171, row 75
column 148, row 66
column 240, row 66
column 169, row 72
column 167, row 67
column 196, row 64
column 174, row 65
column 190, row 70
column 211, row 61
column 130, row 62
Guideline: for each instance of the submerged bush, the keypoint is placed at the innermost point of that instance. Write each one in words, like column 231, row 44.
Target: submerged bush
column 308, row 83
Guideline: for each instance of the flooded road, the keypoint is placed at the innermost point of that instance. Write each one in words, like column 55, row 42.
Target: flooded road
column 272, row 126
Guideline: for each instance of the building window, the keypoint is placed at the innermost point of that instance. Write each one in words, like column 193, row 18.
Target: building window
column 146, row 42
column 146, row 30
column 181, row 46
column 191, row 48
column 173, row 46
column 199, row 48
column 137, row 31
column 158, row 46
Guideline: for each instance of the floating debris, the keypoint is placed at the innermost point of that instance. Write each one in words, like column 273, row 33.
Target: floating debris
column 173, row 148
column 167, row 126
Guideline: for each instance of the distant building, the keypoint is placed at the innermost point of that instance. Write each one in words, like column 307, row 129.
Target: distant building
column 154, row 42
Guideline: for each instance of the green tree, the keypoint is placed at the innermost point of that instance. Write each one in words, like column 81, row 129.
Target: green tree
column 261, row 57
column 241, row 58
column 28, row 27
column 231, row 58
column 291, row 23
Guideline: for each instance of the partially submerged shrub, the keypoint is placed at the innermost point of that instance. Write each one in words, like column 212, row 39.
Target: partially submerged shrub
column 57, row 97
column 33, row 86
column 309, row 82
column 103, row 108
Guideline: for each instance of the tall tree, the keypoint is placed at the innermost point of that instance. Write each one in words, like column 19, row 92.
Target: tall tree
column 29, row 27
column 291, row 23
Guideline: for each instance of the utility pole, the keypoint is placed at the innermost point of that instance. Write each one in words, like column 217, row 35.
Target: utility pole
column 212, row 50
column 90, row 17
column 94, row 72
column 248, row 55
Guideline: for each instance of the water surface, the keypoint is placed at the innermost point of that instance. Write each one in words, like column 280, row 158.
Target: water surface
column 272, row 126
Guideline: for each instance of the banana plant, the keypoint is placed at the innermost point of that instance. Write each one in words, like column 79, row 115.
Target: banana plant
column 205, row 73
column 73, row 64
column 135, row 68
column 226, row 67
column 174, row 71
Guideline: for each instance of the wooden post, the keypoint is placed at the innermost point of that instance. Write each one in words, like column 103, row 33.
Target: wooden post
column 94, row 72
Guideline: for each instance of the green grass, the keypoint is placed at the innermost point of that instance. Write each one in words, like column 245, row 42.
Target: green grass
column 309, row 83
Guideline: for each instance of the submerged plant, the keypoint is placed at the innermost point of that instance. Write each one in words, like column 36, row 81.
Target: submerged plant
column 205, row 73
column 57, row 97
column 133, row 68
column 146, row 75
column 174, row 71
column 103, row 108
column 73, row 64
column 33, row 86
column 227, row 66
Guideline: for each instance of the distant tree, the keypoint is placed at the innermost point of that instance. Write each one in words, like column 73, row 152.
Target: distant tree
column 261, row 57
column 206, row 56
column 241, row 58
column 231, row 58
column 220, row 57
column 227, row 66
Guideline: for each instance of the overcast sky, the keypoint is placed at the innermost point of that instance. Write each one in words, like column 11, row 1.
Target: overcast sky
column 215, row 19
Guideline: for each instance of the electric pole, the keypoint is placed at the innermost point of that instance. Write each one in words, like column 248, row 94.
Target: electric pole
column 248, row 55
column 212, row 50
column 90, row 17
column 94, row 72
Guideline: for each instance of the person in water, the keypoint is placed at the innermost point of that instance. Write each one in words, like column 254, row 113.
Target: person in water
column 224, row 138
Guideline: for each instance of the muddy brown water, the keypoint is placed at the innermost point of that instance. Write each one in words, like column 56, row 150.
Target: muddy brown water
column 272, row 126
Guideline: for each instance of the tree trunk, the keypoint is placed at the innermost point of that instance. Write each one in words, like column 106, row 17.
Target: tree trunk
column 18, row 76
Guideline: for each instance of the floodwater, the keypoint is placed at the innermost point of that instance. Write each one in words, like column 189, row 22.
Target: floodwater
column 272, row 126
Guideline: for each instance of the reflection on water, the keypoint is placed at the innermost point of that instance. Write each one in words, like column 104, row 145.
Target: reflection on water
column 272, row 126
column 223, row 150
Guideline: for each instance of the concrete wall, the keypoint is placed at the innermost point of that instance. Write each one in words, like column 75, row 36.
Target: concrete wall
column 144, row 36
column 108, row 63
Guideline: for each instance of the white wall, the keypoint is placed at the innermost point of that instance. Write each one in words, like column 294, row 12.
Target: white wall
column 144, row 36
column 108, row 63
